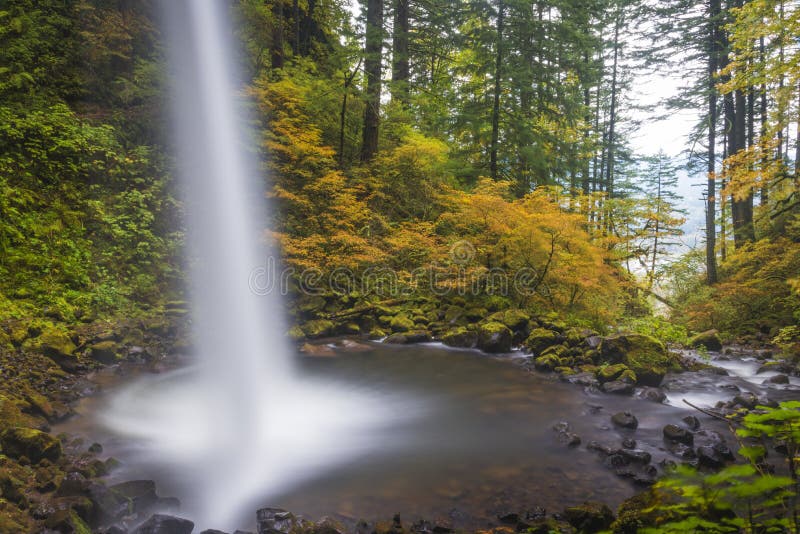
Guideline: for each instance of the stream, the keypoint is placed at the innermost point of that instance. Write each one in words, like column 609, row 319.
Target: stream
column 467, row 438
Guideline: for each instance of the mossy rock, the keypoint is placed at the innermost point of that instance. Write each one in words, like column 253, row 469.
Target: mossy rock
column 401, row 323
column 611, row 372
column 11, row 415
column 540, row 339
column 311, row 304
column 547, row 362
column 377, row 333
column 646, row 356
column 709, row 340
column 318, row 328
column 460, row 337
column 494, row 337
column 104, row 352
column 17, row 332
column 11, row 488
column 351, row 329
column 564, row 370
column 385, row 320
column 589, row 517
column 39, row 402
column 515, row 319
column 639, row 512
column 67, row 521
column 576, row 336
column 628, row 377
column 453, row 313
column 559, row 351
column 496, row 303
column 53, row 343
column 296, row 333
column 473, row 315
column 31, row 443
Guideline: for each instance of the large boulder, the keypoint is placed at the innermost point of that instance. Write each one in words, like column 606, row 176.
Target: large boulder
column 56, row 345
column 541, row 338
column 647, row 357
column 709, row 340
column 460, row 337
column 165, row 524
column 104, row 352
column 494, row 337
column 589, row 517
column 31, row 443
column 515, row 319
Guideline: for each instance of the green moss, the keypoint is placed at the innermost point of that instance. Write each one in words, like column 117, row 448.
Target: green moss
column 104, row 351
column 31, row 443
column 645, row 356
column 611, row 372
column 460, row 337
column 547, row 363
column 540, row 339
column 296, row 333
column 53, row 343
column 317, row 328
column 401, row 323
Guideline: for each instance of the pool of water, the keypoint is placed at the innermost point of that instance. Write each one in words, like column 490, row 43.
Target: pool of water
column 461, row 436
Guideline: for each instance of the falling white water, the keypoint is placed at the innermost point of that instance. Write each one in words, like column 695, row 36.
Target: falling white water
column 239, row 426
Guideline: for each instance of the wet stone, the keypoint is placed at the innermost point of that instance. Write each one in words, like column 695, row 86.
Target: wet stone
column 628, row 443
column 692, row 422
column 676, row 434
column 625, row 420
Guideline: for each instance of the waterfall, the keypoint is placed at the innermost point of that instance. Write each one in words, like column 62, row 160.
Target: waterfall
column 241, row 425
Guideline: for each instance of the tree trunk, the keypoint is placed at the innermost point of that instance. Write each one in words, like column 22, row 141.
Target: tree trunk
column 497, row 87
column 715, row 9
column 612, row 117
column 400, row 58
column 372, row 68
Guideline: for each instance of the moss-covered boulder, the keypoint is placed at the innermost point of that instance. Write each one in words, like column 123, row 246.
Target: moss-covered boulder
column 611, row 372
column 401, row 323
column 494, row 337
column 540, row 339
column 460, row 337
column 453, row 314
column 296, row 333
column 55, row 344
column 647, row 357
column 104, row 351
column 548, row 362
column 589, row 517
column 318, row 328
column 709, row 340
column 413, row 336
column 33, row 444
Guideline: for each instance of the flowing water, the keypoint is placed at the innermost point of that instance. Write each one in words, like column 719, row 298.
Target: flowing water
column 461, row 436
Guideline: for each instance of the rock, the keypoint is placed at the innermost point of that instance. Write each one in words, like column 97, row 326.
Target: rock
column 692, row 422
column 569, row 439
column 676, row 434
column 708, row 457
column 140, row 493
column 547, row 362
column 460, row 337
column 56, row 345
column 777, row 379
column 105, row 352
column 617, row 387
column 645, row 356
column 165, row 524
column 636, row 455
column 509, row 518
column 583, row 379
column 320, row 351
column 494, row 337
column 682, row 451
column 275, row 521
column 593, row 341
column 625, row 420
column 540, row 338
column 109, row 506
column 401, row 323
column 611, row 372
column 515, row 319
column 30, row 443
column 317, row 328
column 213, row 531
column 74, row 484
column 629, row 443
column 746, row 400
column 66, row 521
column 453, row 313
column 709, row 340
column 589, row 517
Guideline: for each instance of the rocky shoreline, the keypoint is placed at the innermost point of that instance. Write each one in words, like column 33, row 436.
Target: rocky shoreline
column 56, row 483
